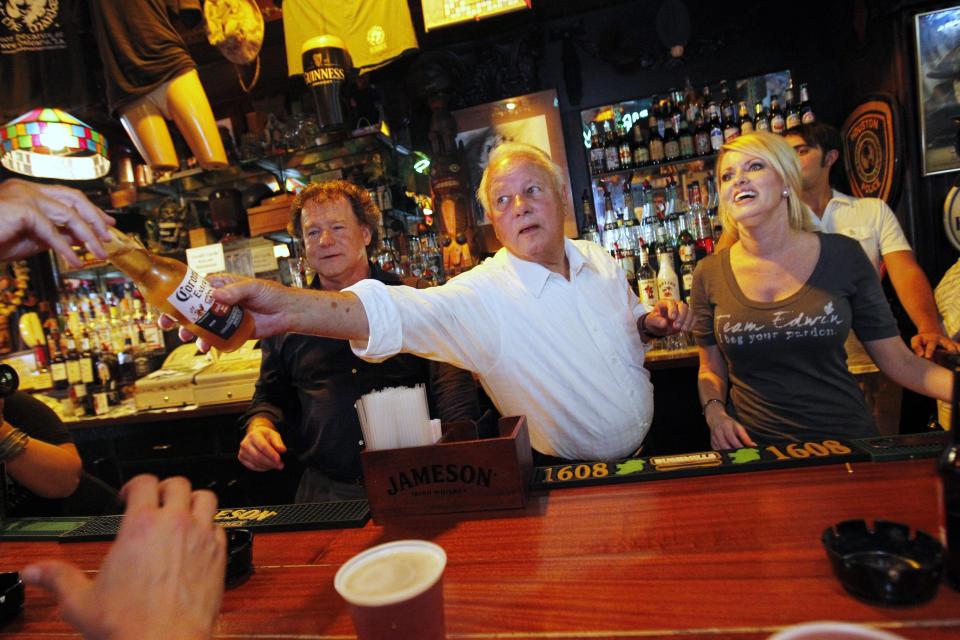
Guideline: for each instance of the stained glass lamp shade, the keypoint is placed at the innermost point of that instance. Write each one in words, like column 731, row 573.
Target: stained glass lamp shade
column 50, row 143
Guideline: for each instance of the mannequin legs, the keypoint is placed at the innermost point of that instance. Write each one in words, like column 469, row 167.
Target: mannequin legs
column 148, row 129
column 185, row 102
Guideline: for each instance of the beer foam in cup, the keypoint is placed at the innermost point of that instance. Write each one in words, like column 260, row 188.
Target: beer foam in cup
column 390, row 573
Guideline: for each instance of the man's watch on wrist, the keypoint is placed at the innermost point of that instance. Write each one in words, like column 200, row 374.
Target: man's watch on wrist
column 644, row 332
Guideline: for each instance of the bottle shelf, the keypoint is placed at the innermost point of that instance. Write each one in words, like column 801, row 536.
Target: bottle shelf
column 363, row 149
column 652, row 168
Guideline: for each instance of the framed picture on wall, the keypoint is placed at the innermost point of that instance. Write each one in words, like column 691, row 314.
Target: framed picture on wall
column 938, row 87
column 533, row 118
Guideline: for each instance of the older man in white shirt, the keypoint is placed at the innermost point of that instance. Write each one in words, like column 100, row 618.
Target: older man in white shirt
column 549, row 325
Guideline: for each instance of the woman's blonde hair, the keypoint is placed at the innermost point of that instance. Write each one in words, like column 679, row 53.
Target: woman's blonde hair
column 781, row 157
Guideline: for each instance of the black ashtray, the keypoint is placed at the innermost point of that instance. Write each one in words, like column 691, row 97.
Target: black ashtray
column 884, row 565
column 11, row 595
column 239, row 556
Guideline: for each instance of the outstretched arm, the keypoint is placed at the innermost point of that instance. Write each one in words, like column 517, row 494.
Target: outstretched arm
column 40, row 216
column 906, row 369
column 278, row 309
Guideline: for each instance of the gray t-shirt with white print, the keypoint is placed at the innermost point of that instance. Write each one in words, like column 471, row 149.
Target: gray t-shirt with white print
column 786, row 363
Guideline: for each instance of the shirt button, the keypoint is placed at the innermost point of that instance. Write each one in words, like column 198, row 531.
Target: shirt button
column 353, row 370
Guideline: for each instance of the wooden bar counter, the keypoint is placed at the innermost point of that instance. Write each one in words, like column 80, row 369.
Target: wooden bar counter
column 727, row 556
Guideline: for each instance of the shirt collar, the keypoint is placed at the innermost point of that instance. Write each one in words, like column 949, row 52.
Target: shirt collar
column 533, row 277
column 841, row 199
column 376, row 273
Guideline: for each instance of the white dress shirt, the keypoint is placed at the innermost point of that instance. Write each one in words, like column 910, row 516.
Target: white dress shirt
column 566, row 354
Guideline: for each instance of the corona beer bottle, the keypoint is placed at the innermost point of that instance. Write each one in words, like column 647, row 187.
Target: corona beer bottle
column 181, row 292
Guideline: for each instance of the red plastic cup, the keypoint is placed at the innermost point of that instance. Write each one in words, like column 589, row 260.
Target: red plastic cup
column 394, row 591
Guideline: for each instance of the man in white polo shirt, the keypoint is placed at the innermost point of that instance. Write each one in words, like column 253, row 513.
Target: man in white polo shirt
column 874, row 225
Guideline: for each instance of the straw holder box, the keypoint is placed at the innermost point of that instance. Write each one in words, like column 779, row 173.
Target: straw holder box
column 458, row 473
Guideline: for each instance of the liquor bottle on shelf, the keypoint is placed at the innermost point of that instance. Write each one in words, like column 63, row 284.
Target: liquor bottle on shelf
column 792, row 118
column 807, row 115
column 668, row 286
column 692, row 103
column 716, row 128
column 86, row 359
column 686, row 140
column 672, row 224
column 671, row 144
column 777, row 123
column 178, row 290
column 596, row 150
column 58, row 365
column 731, row 128
column 657, row 143
column 713, row 203
column 646, row 278
column 663, row 114
column 688, row 262
column 727, row 112
column 641, row 152
column 701, row 137
column 628, row 204
column 746, row 122
column 590, row 231
column 662, row 239
column 69, row 348
column 611, row 236
column 624, row 256
column 624, row 150
column 949, row 469
column 611, row 152
column 702, row 231
column 677, row 110
column 108, row 372
column 639, row 197
column 432, row 259
column 761, row 121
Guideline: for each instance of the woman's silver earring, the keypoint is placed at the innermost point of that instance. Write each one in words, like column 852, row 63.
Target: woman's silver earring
column 786, row 193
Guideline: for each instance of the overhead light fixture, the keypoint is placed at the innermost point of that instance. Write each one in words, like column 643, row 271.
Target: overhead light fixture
column 50, row 143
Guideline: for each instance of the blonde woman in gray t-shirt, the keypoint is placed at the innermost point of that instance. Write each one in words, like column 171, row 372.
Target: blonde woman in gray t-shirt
column 773, row 311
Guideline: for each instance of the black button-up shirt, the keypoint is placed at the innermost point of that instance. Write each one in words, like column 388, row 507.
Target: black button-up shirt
column 308, row 386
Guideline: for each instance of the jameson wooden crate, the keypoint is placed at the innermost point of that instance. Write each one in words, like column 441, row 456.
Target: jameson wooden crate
column 273, row 214
column 458, row 473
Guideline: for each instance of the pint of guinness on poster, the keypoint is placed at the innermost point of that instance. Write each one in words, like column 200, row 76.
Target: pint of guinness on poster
column 325, row 64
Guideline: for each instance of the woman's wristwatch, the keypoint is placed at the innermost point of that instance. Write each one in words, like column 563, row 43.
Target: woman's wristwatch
column 710, row 402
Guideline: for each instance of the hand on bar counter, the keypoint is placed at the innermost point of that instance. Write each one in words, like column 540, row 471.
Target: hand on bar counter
column 163, row 576
column 38, row 216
